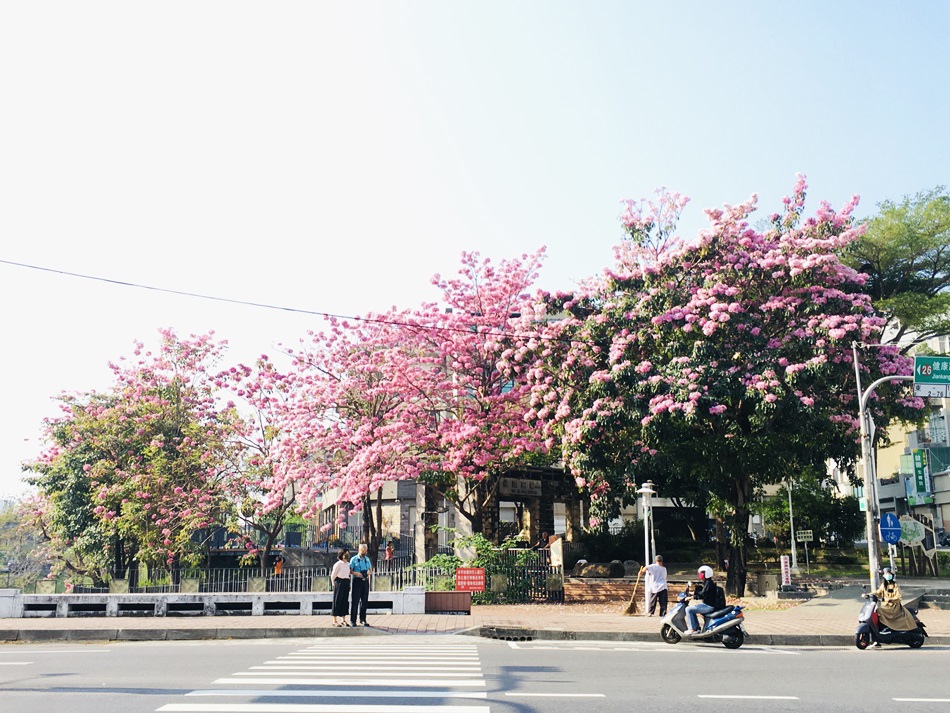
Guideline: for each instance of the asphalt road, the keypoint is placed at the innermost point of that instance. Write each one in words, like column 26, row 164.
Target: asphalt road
column 456, row 674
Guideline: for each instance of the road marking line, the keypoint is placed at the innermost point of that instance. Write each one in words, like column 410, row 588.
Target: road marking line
column 558, row 695
column 55, row 651
column 341, row 693
column 355, row 675
column 428, row 683
column 313, row 708
column 921, row 700
column 382, row 659
column 16, row 663
column 347, row 667
column 757, row 698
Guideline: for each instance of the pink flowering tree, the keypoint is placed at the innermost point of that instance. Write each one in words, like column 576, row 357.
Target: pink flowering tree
column 718, row 367
column 363, row 394
column 130, row 474
column 267, row 462
column 480, row 332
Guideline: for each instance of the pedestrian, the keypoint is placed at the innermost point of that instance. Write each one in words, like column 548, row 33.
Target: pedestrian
column 656, row 587
column 543, row 541
column 360, row 568
column 340, row 576
column 278, row 565
column 390, row 552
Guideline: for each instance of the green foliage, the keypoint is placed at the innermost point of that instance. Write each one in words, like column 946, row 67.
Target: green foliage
column 905, row 255
column 22, row 555
column 505, row 559
column 817, row 508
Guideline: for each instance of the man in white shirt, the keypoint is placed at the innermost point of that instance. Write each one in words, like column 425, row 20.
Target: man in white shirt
column 655, row 587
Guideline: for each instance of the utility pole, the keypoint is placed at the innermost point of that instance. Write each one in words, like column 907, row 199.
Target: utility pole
column 871, row 504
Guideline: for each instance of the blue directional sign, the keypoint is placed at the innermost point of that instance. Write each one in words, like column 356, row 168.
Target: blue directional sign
column 890, row 528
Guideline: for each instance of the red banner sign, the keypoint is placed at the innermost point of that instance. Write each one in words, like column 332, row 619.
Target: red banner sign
column 470, row 579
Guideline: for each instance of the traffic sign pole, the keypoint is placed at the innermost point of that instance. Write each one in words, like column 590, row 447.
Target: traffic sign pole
column 872, row 505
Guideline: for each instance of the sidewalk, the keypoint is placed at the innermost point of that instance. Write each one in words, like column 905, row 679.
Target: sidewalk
column 825, row 621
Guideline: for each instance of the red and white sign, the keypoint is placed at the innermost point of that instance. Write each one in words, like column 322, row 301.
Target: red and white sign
column 470, row 579
column 786, row 570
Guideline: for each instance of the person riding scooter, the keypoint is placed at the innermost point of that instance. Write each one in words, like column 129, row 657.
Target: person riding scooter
column 890, row 608
column 707, row 599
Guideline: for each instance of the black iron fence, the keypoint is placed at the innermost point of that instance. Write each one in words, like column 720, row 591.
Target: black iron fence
column 507, row 583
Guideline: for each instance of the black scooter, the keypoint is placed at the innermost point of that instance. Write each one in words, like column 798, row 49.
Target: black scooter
column 870, row 630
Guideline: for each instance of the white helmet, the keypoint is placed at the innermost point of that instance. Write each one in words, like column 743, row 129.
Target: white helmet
column 705, row 572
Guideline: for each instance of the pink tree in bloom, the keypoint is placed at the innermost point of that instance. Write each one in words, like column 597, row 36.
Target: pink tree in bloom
column 425, row 394
column 363, row 394
column 130, row 474
column 267, row 460
column 481, row 331
column 718, row 367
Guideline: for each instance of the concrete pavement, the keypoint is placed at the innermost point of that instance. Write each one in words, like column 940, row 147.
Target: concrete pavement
column 824, row 621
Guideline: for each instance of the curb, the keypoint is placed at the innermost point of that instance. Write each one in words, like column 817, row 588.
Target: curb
column 488, row 632
column 525, row 634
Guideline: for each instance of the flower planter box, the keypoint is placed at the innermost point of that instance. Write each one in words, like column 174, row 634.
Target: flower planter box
column 448, row 602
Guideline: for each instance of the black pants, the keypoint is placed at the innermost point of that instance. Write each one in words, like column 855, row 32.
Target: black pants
column 341, row 597
column 360, row 599
column 661, row 597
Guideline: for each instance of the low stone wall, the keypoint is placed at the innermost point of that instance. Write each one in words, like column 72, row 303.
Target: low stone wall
column 16, row 605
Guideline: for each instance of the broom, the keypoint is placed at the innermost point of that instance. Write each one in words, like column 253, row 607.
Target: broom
column 631, row 609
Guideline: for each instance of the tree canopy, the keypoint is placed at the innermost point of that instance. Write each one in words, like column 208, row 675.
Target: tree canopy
column 905, row 252
column 725, row 363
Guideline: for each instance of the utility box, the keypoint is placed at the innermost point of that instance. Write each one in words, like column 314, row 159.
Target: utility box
column 766, row 582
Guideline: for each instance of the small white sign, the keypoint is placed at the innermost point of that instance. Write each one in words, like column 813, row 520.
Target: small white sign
column 786, row 570
column 804, row 536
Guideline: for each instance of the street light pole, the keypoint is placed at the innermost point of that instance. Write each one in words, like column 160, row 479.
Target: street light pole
column 646, row 490
column 791, row 527
column 871, row 504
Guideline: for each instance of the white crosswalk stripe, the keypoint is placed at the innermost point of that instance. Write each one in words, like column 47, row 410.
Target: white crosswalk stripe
column 316, row 679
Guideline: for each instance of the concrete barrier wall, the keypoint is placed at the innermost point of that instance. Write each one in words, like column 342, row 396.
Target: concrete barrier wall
column 15, row 605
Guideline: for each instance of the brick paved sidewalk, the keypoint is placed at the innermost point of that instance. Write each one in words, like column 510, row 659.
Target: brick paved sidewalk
column 833, row 618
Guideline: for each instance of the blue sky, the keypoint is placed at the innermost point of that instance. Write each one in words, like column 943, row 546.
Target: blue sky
column 333, row 156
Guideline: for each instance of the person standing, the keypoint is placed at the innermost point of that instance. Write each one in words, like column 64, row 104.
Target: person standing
column 656, row 587
column 390, row 552
column 340, row 576
column 360, row 568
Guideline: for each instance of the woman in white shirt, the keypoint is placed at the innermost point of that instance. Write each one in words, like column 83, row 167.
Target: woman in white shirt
column 340, row 576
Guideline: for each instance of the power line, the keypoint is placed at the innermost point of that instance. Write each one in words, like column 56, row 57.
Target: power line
column 262, row 305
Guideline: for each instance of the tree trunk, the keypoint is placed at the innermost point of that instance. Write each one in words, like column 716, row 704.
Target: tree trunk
column 736, row 574
column 722, row 543
column 373, row 524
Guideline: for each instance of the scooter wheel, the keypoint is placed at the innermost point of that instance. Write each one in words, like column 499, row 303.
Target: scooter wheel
column 862, row 641
column 733, row 641
column 670, row 635
column 917, row 641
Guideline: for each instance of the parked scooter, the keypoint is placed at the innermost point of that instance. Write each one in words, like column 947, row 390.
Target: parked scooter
column 870, row 630
column 725, row 625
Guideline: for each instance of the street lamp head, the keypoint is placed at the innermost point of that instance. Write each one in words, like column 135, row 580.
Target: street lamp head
column 646, row 490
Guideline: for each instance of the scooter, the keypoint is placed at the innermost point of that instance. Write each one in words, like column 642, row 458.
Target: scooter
column 725, row 625
column 870, row 629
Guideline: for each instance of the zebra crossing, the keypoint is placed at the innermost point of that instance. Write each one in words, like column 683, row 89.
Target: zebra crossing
column 341, row 677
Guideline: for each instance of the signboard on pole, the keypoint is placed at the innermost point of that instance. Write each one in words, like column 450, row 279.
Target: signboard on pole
column 890, row 528
column 786, row 569
column 804, row 536
column 932, row 376
column 920, row 487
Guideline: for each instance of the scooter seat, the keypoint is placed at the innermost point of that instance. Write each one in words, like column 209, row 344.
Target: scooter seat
column 721, row 612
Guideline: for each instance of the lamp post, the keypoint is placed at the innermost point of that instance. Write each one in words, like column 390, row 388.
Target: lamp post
column 647, row 491
column 872, row 505
column 791, row 528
